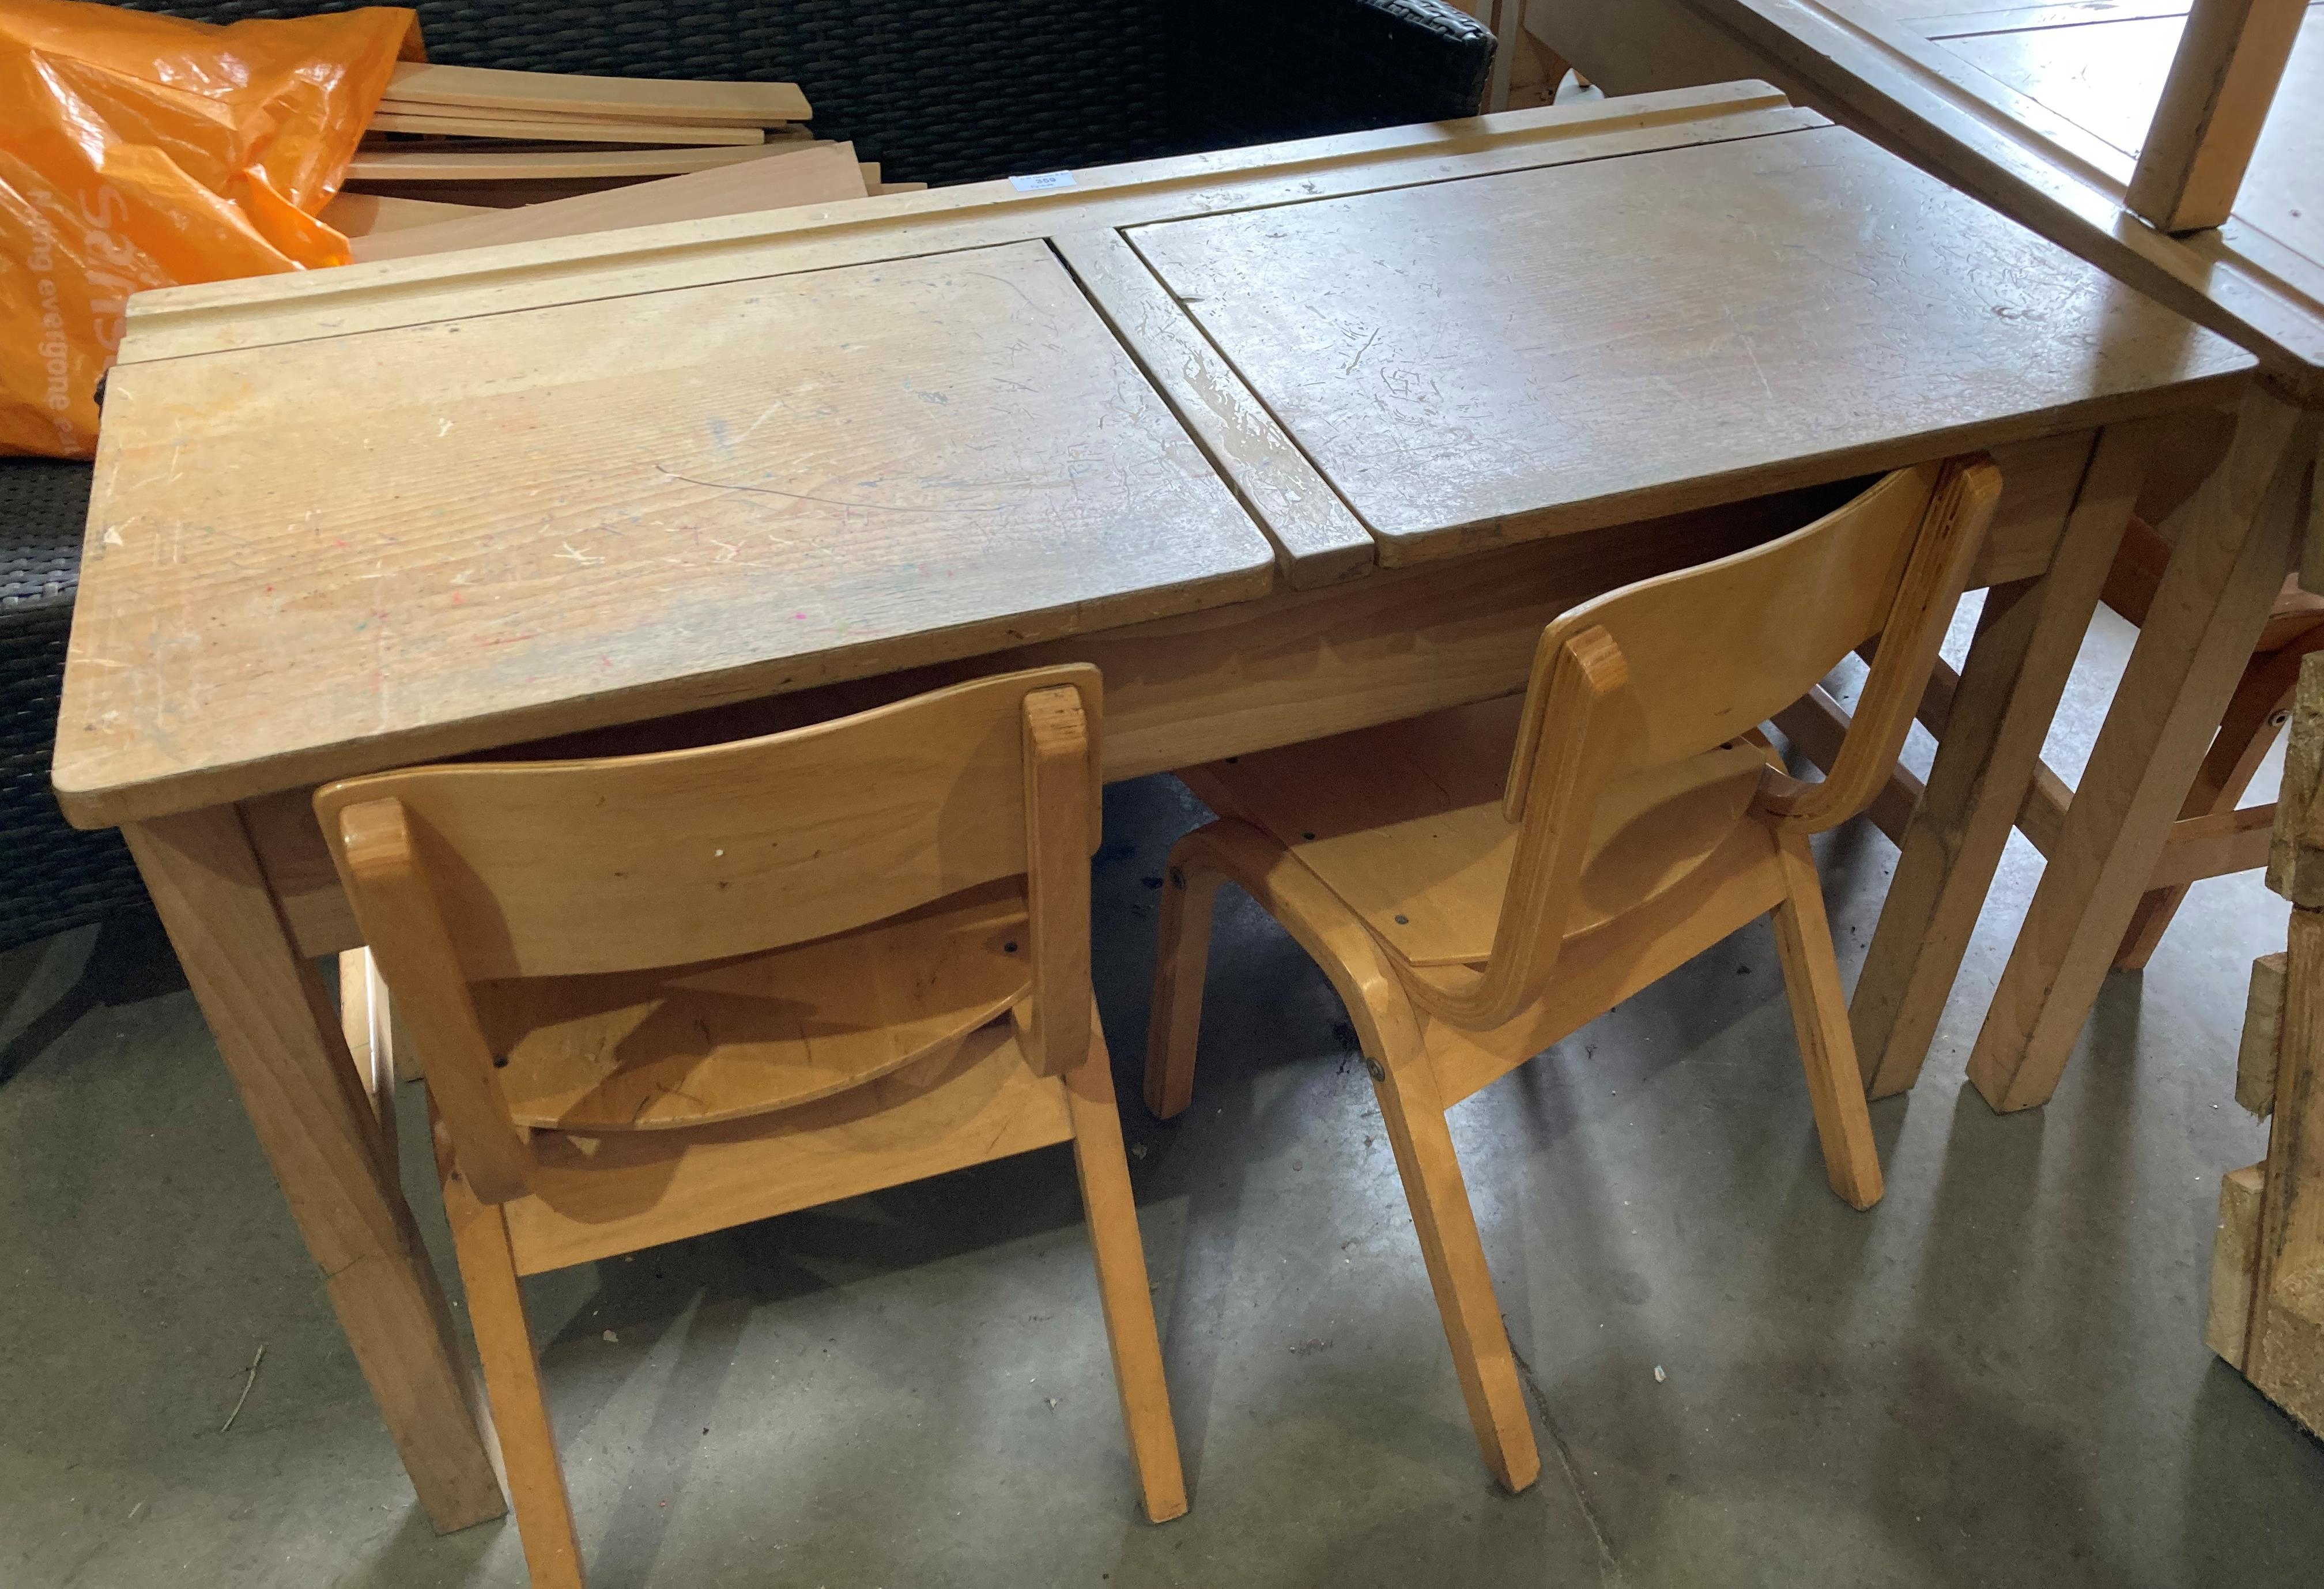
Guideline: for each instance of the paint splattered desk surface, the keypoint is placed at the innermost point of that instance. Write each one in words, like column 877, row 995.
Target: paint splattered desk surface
column 361, row 518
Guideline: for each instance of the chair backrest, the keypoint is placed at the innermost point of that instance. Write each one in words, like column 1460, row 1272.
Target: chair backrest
column 479, row 872
column 1677, row 665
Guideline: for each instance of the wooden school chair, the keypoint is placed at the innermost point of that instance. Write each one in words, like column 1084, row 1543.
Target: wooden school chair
column 658, row 995
column 1480, row 882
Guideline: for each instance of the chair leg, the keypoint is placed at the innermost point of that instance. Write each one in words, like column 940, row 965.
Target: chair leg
column 528, row 1445
column 1121, row 1283
column 1819, row 1015
column 1447, row 1227
column 1190, row 894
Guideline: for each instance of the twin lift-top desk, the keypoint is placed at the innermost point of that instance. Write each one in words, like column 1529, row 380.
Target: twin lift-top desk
column 1288, row 440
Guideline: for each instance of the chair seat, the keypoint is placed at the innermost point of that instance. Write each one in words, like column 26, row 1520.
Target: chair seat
column 690, row 1045
column 1403, row 822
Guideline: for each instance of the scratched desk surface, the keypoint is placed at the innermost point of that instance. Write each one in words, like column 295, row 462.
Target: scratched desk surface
column 776, row 451
column 1485, row 361
column 482, row 514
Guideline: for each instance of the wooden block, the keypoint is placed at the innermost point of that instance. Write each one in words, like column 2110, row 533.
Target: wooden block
column 619, row 98
column 2263, row 1037
column 2232, row 1250
column 2285, row 1350
column 2295, row 867
column 559, row 129
column 881, row 188
column 809, row 173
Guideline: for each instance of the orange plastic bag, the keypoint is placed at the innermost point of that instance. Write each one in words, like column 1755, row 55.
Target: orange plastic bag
column 140, row 150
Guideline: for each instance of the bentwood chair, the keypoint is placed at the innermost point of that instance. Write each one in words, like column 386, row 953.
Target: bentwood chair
column 660, row 995
column 1480, row 882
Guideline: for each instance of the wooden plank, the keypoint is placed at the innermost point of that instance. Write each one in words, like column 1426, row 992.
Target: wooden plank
column 430, row 165
column 301, row 306
column 811, row 173
column 273, row 1020
column 624, row 98
column 2222, row 81
column 984, row 1103
column 2213, row 846
column 1317, row 540
column 360, row 215
column 558, row 130
column 2027, row 636
column 2234, row 544
column 632, row 510
column 2263, row 1037
column 1531, row 392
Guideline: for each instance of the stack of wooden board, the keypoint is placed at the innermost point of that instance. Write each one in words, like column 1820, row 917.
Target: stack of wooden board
column 2267, row 1261
column 464, row 157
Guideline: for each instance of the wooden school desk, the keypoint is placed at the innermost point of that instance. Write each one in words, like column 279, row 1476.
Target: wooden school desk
column 1288, row 440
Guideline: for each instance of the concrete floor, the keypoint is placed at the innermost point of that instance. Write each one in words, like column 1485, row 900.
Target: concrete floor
column 1995, row 1378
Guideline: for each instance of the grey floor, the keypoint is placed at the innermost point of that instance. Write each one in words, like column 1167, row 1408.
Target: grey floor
column 1994, row 1378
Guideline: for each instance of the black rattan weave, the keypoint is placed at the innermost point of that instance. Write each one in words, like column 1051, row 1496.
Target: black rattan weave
column 52, row 878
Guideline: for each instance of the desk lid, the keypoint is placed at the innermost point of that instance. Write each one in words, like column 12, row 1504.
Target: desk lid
column 442, row 537
column 1482, row 361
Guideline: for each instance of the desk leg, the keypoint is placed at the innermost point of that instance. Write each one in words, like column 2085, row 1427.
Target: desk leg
column 2234, row 543
column 267, row 1008
column 2016, row 669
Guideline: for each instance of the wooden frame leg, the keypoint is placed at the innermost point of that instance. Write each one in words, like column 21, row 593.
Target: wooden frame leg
column 280, row 1041
column 520, row 1409
column 2010, row 684
column 1129, row 1330
column 1820, row 1014
column 2234, row 543
column 1509, row 29
column 1455, row 1254
column 1190, row 894
column 2257, row 713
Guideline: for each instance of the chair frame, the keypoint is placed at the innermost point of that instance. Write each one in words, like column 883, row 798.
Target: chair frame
column 524, row 1200
column 1431, row 1037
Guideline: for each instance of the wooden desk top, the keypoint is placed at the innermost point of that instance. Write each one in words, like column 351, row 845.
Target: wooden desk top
column 1556, row 350
column 369, row 516
column 2038, row 111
